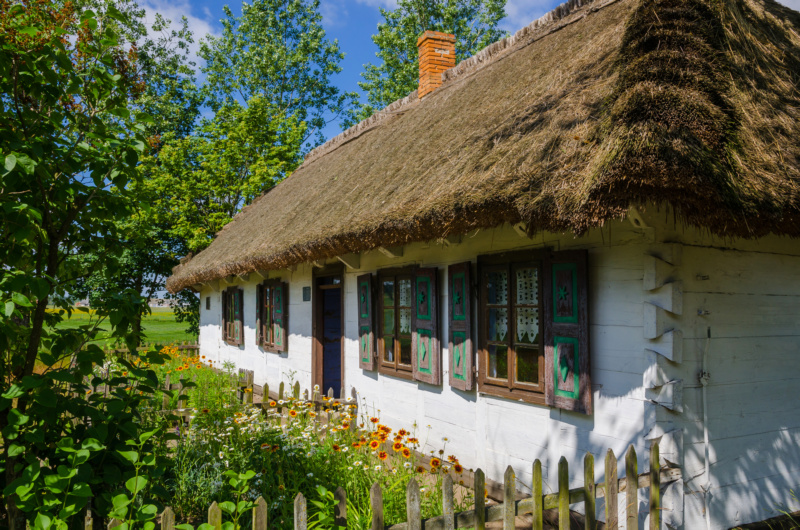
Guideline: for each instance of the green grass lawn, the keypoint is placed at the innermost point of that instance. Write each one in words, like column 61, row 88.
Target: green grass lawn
column 159, row 327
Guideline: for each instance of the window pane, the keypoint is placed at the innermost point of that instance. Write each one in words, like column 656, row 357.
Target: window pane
column 527, row 325
column 528, row 286
column 388, row 321
column 528, row 365
column 388, row 349
column 498, row 362
column 388, row 293
column 405, row 321
column 404, row 286
column 498, row 324
column 497, row 287
column 405, row 350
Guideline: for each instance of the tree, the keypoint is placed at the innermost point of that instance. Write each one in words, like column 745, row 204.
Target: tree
column 69, row 145
column 473, row 22
column 277, row 50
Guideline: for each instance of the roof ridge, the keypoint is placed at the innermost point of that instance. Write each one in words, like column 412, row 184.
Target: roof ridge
column 486, row 56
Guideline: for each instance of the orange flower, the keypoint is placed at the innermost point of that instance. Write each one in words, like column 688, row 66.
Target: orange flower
column 383, row 455
column 453, row 459
column 363, row 439
column 292, row 413
column 435, row 463
column 345, row 425
column 206, row 411
column 413, row 441
column 356, row 445
column 265, row 446
column 420, row 469
column 124, row 374
column 272, row 403
column 406, row 452
column 180, row 368
column 385, row 429
column 398, row 438
column 402, row 432
column 458, row 469
column 397, row 446
column 382, row 437
column 312, row 414
column 374, row 444
column 336, row 447
column 374, row 420
column 275, row 448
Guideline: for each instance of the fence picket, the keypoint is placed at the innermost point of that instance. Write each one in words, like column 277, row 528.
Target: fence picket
column 655, row 488
column 631, row 489
column 611, row 487
column 296, row 390
column 265, row 397
column 413, row 509
column 215, row 516
column 589, row 492
column 563, row 494
column 354, row 421
column 88, row 523
column 166, row 399
column 448, row 512
column 113, row 523
column 509, row 494
column 260, row 515
column 376, row 499
column 340, row 510
column 167, row 519
column 330, row 393
column 280, row 398
column 480, row 500
column 537, row 511
column 300, row 514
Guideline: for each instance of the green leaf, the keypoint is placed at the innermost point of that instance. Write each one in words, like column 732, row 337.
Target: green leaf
column 21, row 300
column 136, row 484
column 120, row 501
column 14, row 392
column 42, row 521
column 24, row 161
column 227, row 507
column 30, row 31
column 47, row 398
column 81, row 490
column 15, row 450
column 130, row 456
column 9, row 309
column 10, row 163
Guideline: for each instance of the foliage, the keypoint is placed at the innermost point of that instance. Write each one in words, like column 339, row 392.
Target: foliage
column 160, row 324
column 473, row 22
column 277, row 50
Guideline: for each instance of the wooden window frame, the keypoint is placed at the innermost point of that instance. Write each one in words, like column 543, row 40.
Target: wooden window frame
column 268, row 343
column 396, row 369
column 228, row 298
column 509, row 388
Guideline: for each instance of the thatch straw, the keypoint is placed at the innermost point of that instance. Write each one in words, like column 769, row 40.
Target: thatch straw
column 565, row 125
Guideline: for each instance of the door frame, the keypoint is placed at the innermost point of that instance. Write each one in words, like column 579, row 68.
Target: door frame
column 317, row 354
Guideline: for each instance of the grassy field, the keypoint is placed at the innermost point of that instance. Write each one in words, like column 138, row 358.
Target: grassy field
column 159, row 327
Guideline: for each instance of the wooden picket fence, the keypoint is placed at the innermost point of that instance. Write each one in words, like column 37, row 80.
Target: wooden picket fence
column 507, row 511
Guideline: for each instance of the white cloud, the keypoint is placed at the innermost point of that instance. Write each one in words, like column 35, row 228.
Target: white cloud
column 200, row 24
column 334, row 13
column 520, row 13
column 389, row 4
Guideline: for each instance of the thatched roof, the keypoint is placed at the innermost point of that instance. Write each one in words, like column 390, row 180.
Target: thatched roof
column 691, row 103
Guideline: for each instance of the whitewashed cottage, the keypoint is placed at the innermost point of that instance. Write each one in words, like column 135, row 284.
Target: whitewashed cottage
column 582, row 238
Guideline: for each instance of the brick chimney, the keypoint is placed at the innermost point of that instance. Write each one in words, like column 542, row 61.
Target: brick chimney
column 437, row 53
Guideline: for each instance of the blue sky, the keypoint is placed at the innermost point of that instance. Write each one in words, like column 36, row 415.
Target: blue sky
column 351, row 22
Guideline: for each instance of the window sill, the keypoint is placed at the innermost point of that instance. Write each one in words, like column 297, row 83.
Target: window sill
column 400, row 374
column 270, row 349
column 525, row 396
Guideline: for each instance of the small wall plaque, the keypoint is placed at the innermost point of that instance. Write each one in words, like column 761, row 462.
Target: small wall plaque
column 306, row 294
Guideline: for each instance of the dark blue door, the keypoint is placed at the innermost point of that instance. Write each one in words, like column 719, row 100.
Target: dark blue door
column 332, row 340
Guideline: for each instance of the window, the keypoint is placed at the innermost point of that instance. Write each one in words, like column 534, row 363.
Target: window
column 208, row 303
column 512, row 361
column 272, row 315
column 533, row 328
column 232, row 311
column 394, row 322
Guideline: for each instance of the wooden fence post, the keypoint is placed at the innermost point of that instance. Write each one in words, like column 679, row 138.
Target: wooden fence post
column 354, row 421
column 88, row 523
column 655, row 488
column 589, row 491
column 631, row 489
column 260, row 514
column 480, row 500
column 340, row 510
column 612, row 519
column 296, row 390
column 280, row 398
column 509, row 496
column 113, row 523
column 563, row 494
column 265, row 397
column 376, row 499
column 300, row 514
column 537, row 511
column 215, row 516
column 167, row 519
column 447, row 503
column 413, row 508
column 166, row 399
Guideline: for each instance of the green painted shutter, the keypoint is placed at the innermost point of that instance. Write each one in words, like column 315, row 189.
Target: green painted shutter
column 280, row 316
column 238, row 316
column 366, row 322
column 426, row 355
column 225, row 315
column 259, row 307
column 459, row 307
column 567, row 377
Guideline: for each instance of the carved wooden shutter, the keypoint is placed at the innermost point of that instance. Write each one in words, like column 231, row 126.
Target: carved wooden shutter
column 366, row 322
column 460, row 326
column 238, row 316
column 259, row 306
column 280, row 316
column 426, row 355
column 568, row 382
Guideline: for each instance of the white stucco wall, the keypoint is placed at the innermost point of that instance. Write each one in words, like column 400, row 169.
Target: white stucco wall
column 751, row 300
